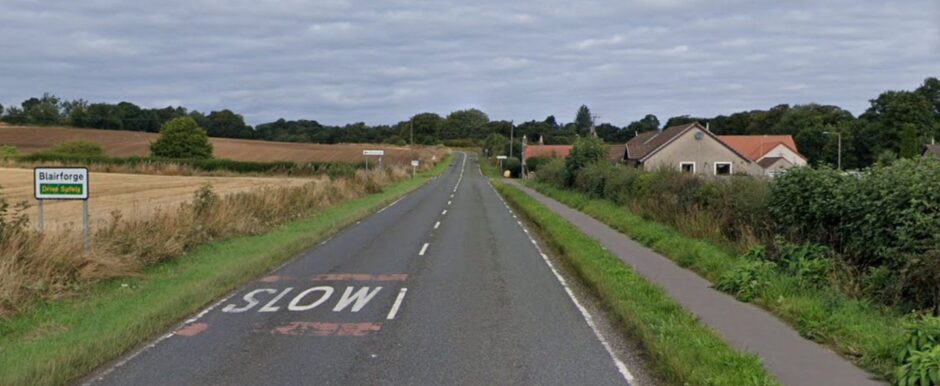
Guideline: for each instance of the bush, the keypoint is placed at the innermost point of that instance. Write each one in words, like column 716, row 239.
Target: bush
column 592, row 178
column 8, row 151
column 533, row 164
column 182, row 138
column 586, row 151
column 747, row 280
column 552, row 173
column 919, row 360
column 513, row 165
column 809, row 263
column 78, row 148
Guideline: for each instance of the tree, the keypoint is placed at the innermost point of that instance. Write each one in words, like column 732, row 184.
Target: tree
column 909, row 146
column 227, row 124
column 427, row 128
column 586, row 151
column 182, row 138
column 891, row 111
column 43, row 111
column 461, row 124
column 495, row 144
column 583, row 120
column 609, row 133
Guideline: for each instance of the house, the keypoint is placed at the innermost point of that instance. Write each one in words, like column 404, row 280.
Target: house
column 614, row 152
column 932, row 150
column 689, row 148
column 773, row 153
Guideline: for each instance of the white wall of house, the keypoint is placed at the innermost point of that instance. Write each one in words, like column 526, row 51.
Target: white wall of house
column 705, row 153
column 784, row 152
column 778, row 167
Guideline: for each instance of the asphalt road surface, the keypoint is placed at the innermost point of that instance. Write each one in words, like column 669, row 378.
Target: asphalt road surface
column 442, row 287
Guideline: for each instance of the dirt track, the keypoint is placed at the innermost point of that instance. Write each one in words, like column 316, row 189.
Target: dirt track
column 135, row 195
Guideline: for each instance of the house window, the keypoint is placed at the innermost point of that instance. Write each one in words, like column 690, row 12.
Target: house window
column 722, row 168
column 687, row 167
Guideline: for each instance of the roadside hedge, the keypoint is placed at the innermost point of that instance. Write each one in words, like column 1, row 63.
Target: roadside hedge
column 882, row 225
column 209, row 165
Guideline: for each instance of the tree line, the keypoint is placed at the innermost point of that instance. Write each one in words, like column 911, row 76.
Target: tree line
column 896, row 124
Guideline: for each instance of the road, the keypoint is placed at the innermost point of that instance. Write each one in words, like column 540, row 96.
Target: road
column 442, row 287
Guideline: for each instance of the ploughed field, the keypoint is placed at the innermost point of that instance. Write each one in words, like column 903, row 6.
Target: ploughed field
column 134, row 195
column 128, row 143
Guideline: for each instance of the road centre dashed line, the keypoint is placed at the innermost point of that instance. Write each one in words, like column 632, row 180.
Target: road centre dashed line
column 424, row 249
column 621, row 367
column 437, row 224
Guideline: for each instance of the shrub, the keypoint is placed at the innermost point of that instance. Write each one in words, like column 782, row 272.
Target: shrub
column 182, row 138
column 809, row 263
column 513, row 165
column 552, row 173
column 7, row 151
column 919, row 359
column 533, row 164
column 592, row 178
column 808, row 204
column 619, row 184
column 586, row 151
column 748, row 279
column 78, row 148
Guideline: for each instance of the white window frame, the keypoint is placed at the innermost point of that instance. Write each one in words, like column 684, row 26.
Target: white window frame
column 730, row 167
column 683, row 163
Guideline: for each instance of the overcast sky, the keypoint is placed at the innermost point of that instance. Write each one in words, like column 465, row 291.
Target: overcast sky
column 340, row 61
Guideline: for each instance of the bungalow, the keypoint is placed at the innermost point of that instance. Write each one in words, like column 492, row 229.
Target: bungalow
column 690, row 148
column 773, row 153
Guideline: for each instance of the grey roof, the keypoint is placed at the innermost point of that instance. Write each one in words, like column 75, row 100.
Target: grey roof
column 932, row 150
column 766, row 162
column 647, row 142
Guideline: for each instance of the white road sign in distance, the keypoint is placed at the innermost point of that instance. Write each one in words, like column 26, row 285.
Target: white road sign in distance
column 500, row 157
column 60, row 183
column 414, row 163
column 373, row 152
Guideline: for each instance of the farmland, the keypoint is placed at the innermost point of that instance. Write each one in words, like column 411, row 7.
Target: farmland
column 127, row 143
column 134, row 195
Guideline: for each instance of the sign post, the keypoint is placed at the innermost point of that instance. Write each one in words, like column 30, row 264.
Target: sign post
column 378, row 153
column 500, row 158
column 62, row 184
column 414, row 167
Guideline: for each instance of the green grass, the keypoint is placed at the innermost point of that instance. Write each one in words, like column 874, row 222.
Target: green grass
column 63, row 340
column 683, row 351
column 861, row 331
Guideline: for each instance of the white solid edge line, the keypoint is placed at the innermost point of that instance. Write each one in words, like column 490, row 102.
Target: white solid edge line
column 394, row 310
column 624, row 371
column 424, row 249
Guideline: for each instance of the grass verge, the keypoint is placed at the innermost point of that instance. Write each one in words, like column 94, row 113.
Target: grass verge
column 62, row 340
column 683, row 351
column 868, row 334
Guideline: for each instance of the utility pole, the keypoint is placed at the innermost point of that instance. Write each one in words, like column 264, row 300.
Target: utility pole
column 839, row 136
column 411, row 129
column 511, row 132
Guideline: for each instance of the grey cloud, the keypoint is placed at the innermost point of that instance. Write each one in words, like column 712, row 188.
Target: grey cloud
column 379, row 62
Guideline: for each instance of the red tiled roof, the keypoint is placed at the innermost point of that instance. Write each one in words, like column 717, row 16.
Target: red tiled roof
column 756, row 146
column 614, row 152
column 548, row 151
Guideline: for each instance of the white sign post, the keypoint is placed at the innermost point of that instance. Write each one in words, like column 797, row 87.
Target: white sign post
column 414, row 167
column 500, row 158
column 62, row 184
column 378, row 153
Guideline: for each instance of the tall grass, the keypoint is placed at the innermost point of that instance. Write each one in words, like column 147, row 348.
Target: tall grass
column 36, row 266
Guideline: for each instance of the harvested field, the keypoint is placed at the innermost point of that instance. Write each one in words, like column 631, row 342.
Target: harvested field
column 134, row 195
column 128, row 143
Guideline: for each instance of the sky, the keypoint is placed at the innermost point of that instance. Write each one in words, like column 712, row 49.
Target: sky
column 339, row 61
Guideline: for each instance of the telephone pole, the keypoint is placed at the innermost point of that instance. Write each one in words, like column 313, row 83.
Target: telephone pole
column 511, row 132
